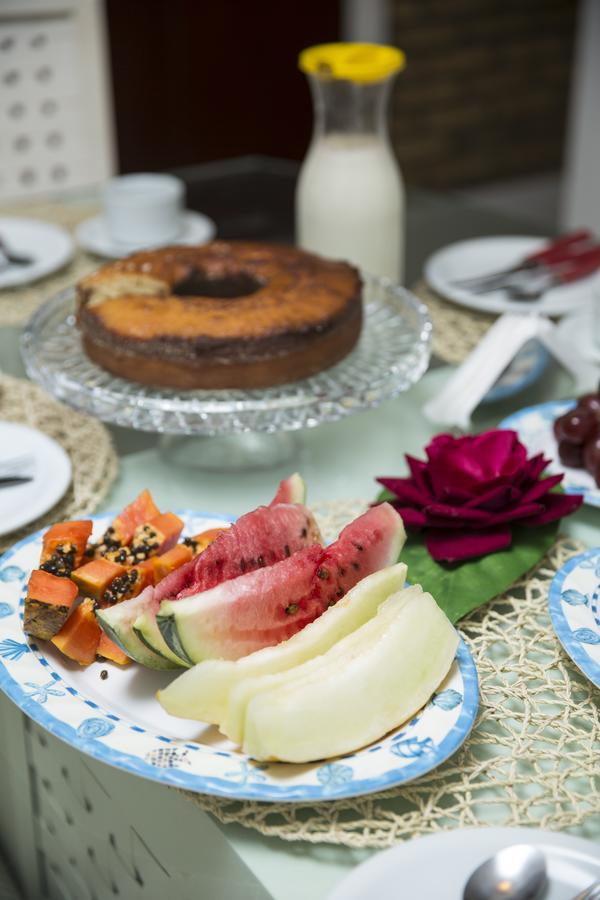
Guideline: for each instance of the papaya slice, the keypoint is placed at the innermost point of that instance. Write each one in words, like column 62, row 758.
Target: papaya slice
column 80, row 635
column 167, row 562
column 201, row 541
column 95, row 577
column 64, row 546
column 156, row 536
column 130, row 583
column 142, row 509
column 47, row 604
column 107, row 649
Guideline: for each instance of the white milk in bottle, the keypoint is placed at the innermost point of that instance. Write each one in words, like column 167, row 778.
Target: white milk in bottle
column 350, row 196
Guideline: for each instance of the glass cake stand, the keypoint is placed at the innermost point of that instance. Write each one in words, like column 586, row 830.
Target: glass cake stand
column 237, row 428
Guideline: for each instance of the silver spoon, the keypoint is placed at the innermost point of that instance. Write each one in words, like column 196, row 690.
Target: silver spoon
column 515, row 873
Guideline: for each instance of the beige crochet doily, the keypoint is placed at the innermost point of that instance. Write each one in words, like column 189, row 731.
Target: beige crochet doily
column 86, row 440
column 531, row 759
column 456, row 329
column 18, row 303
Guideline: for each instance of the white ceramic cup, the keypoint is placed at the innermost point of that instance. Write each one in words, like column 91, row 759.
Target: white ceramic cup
column 144, row 209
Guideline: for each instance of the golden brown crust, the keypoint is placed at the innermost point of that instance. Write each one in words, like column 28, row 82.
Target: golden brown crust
column 303, row 315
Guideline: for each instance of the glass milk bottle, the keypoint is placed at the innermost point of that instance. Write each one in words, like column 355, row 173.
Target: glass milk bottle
column 350, row 195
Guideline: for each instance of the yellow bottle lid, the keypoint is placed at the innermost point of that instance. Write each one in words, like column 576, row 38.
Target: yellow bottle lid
column 352, row 62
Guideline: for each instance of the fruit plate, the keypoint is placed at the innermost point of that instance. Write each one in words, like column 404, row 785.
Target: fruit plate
column 574, row 605
column 534, row 427
column 391, row 355
column 118, row 720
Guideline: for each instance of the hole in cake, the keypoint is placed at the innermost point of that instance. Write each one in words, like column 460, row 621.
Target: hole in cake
column 197, row 284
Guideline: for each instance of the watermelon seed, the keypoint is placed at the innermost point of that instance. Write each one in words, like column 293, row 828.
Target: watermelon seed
column 359, row 547
column 104, row 674
column 304, row 532
column 243, row 565
column 341, row 571
column 356, row 566
column 291, row 609
column 323, row 573
column 261, row 561
column 340, row 592
column 287, row 550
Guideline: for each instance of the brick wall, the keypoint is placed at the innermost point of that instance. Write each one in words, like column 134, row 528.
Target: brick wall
column 484, row 95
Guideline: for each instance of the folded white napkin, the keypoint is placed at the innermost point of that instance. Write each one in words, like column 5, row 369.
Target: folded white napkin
column 470, row 383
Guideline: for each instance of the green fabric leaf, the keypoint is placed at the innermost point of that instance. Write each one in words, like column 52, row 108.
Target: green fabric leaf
column 462, row 587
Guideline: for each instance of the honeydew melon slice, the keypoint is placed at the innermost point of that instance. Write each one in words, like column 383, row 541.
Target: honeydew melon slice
column 117, row 621
column 338, row 654
column 337, row 708
column 203, row 692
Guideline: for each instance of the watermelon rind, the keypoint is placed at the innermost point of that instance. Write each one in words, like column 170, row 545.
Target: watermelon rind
column 147, row 631
column 203, row 692
column 117, row 621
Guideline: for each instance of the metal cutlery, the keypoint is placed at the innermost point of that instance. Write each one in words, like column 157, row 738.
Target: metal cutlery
column 8, row 258
column 513, row 873
column 14, row 480
column 567, row 259
column 590, row 893
column 15, row 465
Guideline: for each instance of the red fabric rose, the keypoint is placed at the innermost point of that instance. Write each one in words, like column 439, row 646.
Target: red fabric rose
column 472, row 490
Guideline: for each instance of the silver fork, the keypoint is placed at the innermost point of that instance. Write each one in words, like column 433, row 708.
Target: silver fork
column 15, row 465
column 590, row 893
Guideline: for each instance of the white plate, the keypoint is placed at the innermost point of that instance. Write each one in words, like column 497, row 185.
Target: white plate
column 534, row 427
column 93, row 235
column 50, row 468
column 119, row 721
column 574, row 605
column 482, row 256
column 49, row 246
column 438, row 866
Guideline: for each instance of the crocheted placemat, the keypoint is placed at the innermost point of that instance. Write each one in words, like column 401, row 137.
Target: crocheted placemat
column 531, row 759
column 86, row 440
column 18, row 303
column 456, row 329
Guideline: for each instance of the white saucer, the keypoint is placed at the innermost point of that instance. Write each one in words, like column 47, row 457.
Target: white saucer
column 51, row 470
column 437, row 867
column 50, row 247
column 482, row 256
column 93, row 236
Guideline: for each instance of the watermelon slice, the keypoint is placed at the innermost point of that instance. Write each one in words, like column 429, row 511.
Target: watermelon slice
column 267, row 606
column 260, row 538
column 291, row 490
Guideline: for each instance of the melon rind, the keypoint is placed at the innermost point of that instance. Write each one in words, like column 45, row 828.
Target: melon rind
column 117, row 621
column 148, row 632
column 233, row 725
column 337, row 709
column 203, row 692
column 291, row 490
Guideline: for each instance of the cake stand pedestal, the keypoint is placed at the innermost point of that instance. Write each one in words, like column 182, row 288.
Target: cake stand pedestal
column 245, row 452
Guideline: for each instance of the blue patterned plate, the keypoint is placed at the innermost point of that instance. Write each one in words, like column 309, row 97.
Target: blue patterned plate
column 534, row 427
column 574, row 604
column 118, row 721
column 528, row 365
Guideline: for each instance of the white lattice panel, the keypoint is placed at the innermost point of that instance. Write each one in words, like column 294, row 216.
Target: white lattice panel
column 75, row 829
column 55, row 123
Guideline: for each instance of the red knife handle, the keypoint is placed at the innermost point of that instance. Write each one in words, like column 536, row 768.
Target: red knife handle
column 579, row 267
column 565, row 247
